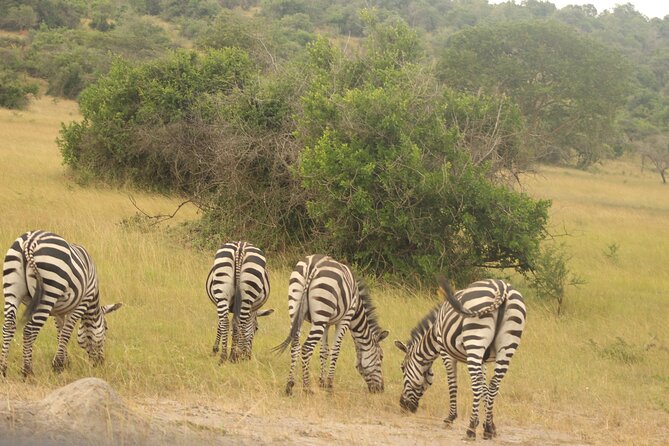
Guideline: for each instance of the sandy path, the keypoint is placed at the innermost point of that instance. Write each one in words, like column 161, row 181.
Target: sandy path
column 89, row 412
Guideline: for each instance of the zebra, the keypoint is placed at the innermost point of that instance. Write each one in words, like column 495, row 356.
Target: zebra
column 52, row 277
column 326, row 292
column 482, row 323
column 238, row 282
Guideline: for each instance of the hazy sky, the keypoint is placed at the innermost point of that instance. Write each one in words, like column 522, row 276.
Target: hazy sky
column 649, row 8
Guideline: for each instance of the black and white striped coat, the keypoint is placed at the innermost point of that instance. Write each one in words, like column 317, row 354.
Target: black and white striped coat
column 326, row 292
column 53, row 278
column 482, row 323
column 238, row 282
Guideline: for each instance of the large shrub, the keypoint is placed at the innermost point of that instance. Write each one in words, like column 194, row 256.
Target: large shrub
column 123, row 109
column 395, row 175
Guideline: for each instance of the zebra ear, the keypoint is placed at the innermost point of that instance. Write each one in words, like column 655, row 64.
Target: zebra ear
column 261, row 313
column 109, row 308
column 401, row 346
column 384, row 334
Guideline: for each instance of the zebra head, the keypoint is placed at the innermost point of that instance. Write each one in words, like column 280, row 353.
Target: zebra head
column 369, row 356
column 249, row 329
column 92, row 333
column 418, row 377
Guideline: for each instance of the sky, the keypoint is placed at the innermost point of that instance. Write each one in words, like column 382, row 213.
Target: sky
column 649, row 8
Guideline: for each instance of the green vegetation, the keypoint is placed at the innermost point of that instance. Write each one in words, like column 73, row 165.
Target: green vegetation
column 569, row 106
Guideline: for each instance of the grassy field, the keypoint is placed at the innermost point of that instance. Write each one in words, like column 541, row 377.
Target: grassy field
column 600, row 371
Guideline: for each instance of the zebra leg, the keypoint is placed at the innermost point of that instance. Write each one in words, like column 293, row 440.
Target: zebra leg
column 8, row 330
column 222, row 330
column 501, row 367
column 325, row 354
column 60, row 361
column 315, row 335
column 30, row 332
column 479, row 389
column 341, row 330
column 294, row 354
column 59, row 320
column 241, row 348
column 452, row 378
column 235, row 348
column 15, row 290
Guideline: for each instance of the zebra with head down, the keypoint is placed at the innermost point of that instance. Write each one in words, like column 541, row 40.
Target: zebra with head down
column 53, row 278
column 482, row 323
column 326, row 292
column 238, row 283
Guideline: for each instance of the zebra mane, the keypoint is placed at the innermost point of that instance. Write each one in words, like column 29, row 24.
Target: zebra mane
column 368, row 306
column 424, row 325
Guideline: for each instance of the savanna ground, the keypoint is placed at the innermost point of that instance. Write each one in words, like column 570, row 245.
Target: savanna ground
column 598, row 374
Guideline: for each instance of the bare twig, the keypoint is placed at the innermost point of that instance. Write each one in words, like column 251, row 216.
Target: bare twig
column 159, row 218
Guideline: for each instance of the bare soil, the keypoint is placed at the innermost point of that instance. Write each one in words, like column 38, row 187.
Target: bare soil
column 90, row 412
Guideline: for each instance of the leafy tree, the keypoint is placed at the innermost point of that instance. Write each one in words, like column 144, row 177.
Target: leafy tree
column 390, row 180
column 568, row 87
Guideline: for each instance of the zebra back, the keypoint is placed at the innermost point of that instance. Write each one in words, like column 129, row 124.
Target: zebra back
column 482, row 289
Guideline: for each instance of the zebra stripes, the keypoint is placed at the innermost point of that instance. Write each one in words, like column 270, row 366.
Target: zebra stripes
column 238, row 282
column 52, row 277
column 482, row 323
column 325, row 292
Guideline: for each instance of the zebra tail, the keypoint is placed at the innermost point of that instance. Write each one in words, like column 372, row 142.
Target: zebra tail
column 28, row 253
column 297, row 322
column 446, row 291
column 237, row 302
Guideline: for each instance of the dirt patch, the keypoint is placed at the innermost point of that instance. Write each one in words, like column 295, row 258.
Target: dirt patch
column 89, row 411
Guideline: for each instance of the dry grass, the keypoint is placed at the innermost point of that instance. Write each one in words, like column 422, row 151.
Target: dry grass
column 571, row 374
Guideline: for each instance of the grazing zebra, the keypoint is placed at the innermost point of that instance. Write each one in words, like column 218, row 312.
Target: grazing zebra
column 52, row 277
column 482, row 323
column 325, row 292
column 238, row 283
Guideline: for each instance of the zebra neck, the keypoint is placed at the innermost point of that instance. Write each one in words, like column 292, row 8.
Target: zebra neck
column 425, row 349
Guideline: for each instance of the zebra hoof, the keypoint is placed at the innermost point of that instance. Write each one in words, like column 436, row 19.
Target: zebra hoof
column 489, row 431
column 289, row 388
column 214, row 351
column 448, row 422
column 27, row 374
column 471, row 434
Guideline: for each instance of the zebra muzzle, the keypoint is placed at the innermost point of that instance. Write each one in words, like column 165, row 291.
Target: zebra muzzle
column 408, row 405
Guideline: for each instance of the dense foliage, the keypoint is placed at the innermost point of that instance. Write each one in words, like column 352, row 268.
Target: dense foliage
column 570, row 107
column 389, row 178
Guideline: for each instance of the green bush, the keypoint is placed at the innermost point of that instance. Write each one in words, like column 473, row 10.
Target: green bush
column 395, row 181
column 167, row 94
column 14, row 93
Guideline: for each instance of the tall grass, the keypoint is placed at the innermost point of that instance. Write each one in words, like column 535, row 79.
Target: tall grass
column 600, row 371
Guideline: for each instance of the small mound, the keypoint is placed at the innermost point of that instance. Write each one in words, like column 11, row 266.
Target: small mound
column 91, row 409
